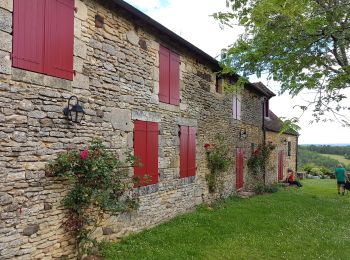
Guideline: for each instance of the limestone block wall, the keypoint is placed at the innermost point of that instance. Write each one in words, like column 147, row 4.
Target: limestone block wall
column 289, row 161
column 117, row 81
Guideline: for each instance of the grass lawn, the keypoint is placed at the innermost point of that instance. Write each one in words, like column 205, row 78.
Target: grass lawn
column 339, row 158
column 308, row 223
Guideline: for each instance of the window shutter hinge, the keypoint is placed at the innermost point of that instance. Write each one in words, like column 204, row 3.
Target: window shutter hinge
column 74, row 72
column 159, row 132
column 179, row 133
column 75, row 9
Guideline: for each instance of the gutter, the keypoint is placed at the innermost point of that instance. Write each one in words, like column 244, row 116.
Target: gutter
column 264, row 134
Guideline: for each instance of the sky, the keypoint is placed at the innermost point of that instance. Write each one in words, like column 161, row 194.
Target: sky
column 192, row 21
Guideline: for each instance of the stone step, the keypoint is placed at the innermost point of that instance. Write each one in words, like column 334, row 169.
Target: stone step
column 246, row 194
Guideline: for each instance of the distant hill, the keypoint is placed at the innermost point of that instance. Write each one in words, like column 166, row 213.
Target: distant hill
column 341, row 145
column 324, row 156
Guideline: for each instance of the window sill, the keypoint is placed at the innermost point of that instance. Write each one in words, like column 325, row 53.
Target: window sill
column 169, row 107
column 187, row 180
column 145, row 190
column 40, row 79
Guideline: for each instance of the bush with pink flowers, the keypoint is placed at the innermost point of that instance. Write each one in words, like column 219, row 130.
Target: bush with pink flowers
column 100, row 184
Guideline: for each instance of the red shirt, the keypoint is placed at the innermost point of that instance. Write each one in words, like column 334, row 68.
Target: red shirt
column 291, row 177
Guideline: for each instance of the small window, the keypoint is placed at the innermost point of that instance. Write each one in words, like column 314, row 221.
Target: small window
column 219, row 85
column 169, row 76
column 289, row 151
column 266, row 108
column 187, row 151
column 236, row 106
column 146, row 152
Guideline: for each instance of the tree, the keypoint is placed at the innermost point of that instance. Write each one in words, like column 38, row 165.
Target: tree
column 303, row 44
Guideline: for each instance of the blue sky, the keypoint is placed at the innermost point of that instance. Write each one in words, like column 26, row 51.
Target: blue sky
column 191, row 20
column 149, row 6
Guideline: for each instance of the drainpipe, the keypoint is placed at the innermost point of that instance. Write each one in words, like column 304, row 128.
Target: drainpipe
column 264, row 132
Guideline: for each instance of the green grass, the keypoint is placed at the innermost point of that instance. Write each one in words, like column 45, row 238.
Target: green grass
column 307, row 223
column 339, row 158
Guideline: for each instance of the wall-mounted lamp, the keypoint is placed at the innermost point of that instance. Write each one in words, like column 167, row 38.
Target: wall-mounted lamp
column 285, row 141
column 242, row 134
column 74, row 112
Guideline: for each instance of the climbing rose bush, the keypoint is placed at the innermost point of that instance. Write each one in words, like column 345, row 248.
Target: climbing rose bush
column 99, row 182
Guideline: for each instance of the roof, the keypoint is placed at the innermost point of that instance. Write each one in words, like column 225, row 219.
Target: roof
column 264, row 89
column 168, row 36
column 274, row 123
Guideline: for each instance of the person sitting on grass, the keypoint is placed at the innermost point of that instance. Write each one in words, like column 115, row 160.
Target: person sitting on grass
column 291, row 178
column 341, row 178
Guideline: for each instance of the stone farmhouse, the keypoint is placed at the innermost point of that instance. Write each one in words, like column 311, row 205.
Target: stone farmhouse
column 142, row 87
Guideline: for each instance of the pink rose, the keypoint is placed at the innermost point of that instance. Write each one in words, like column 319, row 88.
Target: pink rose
column 257, row 152
column 84, row 154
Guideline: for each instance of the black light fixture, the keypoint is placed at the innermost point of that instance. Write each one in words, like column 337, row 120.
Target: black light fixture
column 74, row 112
column 285, row 141
column 242, row 134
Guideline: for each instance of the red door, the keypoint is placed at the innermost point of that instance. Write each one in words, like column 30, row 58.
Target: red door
column 239, row 168
column 280, row 165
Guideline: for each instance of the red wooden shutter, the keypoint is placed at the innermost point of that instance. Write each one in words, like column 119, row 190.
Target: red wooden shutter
column 28, row 35
column 164, row 75
column 152, row 152
column 174, row 79
column 183, row 151
column 191, row 151
column 140, row 150
column 59, row 38
column 146, row 151
column 280, row 165
column 239, row 106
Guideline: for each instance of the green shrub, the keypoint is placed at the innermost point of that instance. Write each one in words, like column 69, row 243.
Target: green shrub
column 99, row 183
column 218, row 161
column 261, row 188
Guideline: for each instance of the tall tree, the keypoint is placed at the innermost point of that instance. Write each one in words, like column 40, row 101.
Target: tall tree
column 303, row 44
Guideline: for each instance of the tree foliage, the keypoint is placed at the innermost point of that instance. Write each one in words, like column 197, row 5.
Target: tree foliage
column 328, row 149
column 304, row 44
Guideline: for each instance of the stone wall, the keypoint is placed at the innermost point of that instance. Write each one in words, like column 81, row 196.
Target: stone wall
column 117, row 81
column 289, row 161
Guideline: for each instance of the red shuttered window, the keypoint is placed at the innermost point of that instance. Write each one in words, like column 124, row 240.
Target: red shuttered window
column 146, row 151
column 169, row 76
column 187, row 151
column 43, row 36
